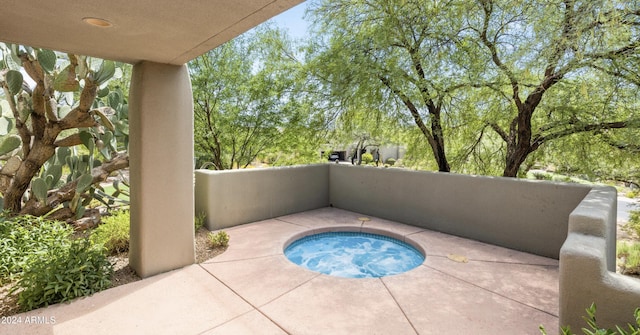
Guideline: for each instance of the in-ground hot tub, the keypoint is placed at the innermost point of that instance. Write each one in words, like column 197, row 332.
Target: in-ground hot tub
column 354, row 254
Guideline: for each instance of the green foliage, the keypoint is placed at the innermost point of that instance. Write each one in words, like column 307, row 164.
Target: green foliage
column 46, row 263
column 113, row 234
column 634, row 222
column 6, row 125
column 9, row 144
column 14, row 81
column 105, row 72
column 247, row 102
column 367, row 158
column 540, row 175
column 390, row 161
column 116, row 194
column 47, row 59
column 219, row 239
column 39, row 187
column 61, row 273
column 491, row 86
column 594, row 329
column 51, row 125
column 561, row 178
column 198, row 221
column 629, row 255
column 27, row 236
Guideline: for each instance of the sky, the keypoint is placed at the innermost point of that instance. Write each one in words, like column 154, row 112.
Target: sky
column 293, row 21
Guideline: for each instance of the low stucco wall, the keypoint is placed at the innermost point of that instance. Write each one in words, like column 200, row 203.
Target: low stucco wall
column 574, row 223
column 523, row 215
column 587, row 266
column 234, row 197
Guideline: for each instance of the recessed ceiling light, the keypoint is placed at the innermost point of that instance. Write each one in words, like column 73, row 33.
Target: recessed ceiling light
column 97, row 22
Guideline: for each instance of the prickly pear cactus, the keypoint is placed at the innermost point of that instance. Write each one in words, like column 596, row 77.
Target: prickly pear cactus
column 61, row 131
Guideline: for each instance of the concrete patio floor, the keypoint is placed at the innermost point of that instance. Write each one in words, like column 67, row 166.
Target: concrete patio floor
column 253, row 289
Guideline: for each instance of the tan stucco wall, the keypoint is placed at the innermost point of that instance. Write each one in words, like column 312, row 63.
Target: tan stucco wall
column 161, row 164
column 522, row 215
column 587, row 266
column 233, row 197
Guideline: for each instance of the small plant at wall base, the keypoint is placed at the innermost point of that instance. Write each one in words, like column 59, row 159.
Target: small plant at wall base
column 367, row 158
column 219, row 239
column 113, row 234
column 593, row 328
column 634, row 222
column 629, row 256
column 198, row 221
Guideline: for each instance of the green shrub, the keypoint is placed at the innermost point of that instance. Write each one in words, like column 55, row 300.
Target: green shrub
column 113, row 234
column 27, row 235
column 632, row 194
column 629, row 253
column 62, row 273
column 634, row 222
column 219, row 239
column 593, row 328
column 539, row 175
column 198, row 221
column 390, row 161
column 367, row 158
column 561, row 178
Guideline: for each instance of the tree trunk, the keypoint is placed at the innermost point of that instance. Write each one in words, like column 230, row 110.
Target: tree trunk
column 514, row 161
column 68, row 191
column 29, row 168
column 519, row 140
column 435, row 136
column 437, row 145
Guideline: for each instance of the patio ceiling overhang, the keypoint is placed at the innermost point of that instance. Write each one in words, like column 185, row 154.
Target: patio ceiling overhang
column 160, row 31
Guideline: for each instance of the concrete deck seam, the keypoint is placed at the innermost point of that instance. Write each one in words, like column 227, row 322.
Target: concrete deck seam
column 398, row 304
column 416, row 232
column 490, row 291
column 292, row 223
column 211, row 260
column 224, row 323
column 245, row 300
column 499, row 262
column 291, row 290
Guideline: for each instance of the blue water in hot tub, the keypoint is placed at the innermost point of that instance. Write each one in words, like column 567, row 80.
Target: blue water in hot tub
column 354, row 255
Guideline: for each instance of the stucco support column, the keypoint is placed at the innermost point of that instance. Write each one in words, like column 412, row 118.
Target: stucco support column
column 161, row 168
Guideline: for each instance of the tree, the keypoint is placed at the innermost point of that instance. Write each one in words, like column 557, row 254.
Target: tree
column 531, row 48
column 244, row 98
column 44, row 123
column 610, row 154
column 394, row 56
column 483, row 65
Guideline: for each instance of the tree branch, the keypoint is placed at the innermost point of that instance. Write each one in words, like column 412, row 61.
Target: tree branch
column 68, row 191
column 69, row 141
column 39, row 97
column 409, row 104
column 581, row 128
column 23, row 130
column 500, row 131
column 487, row 7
